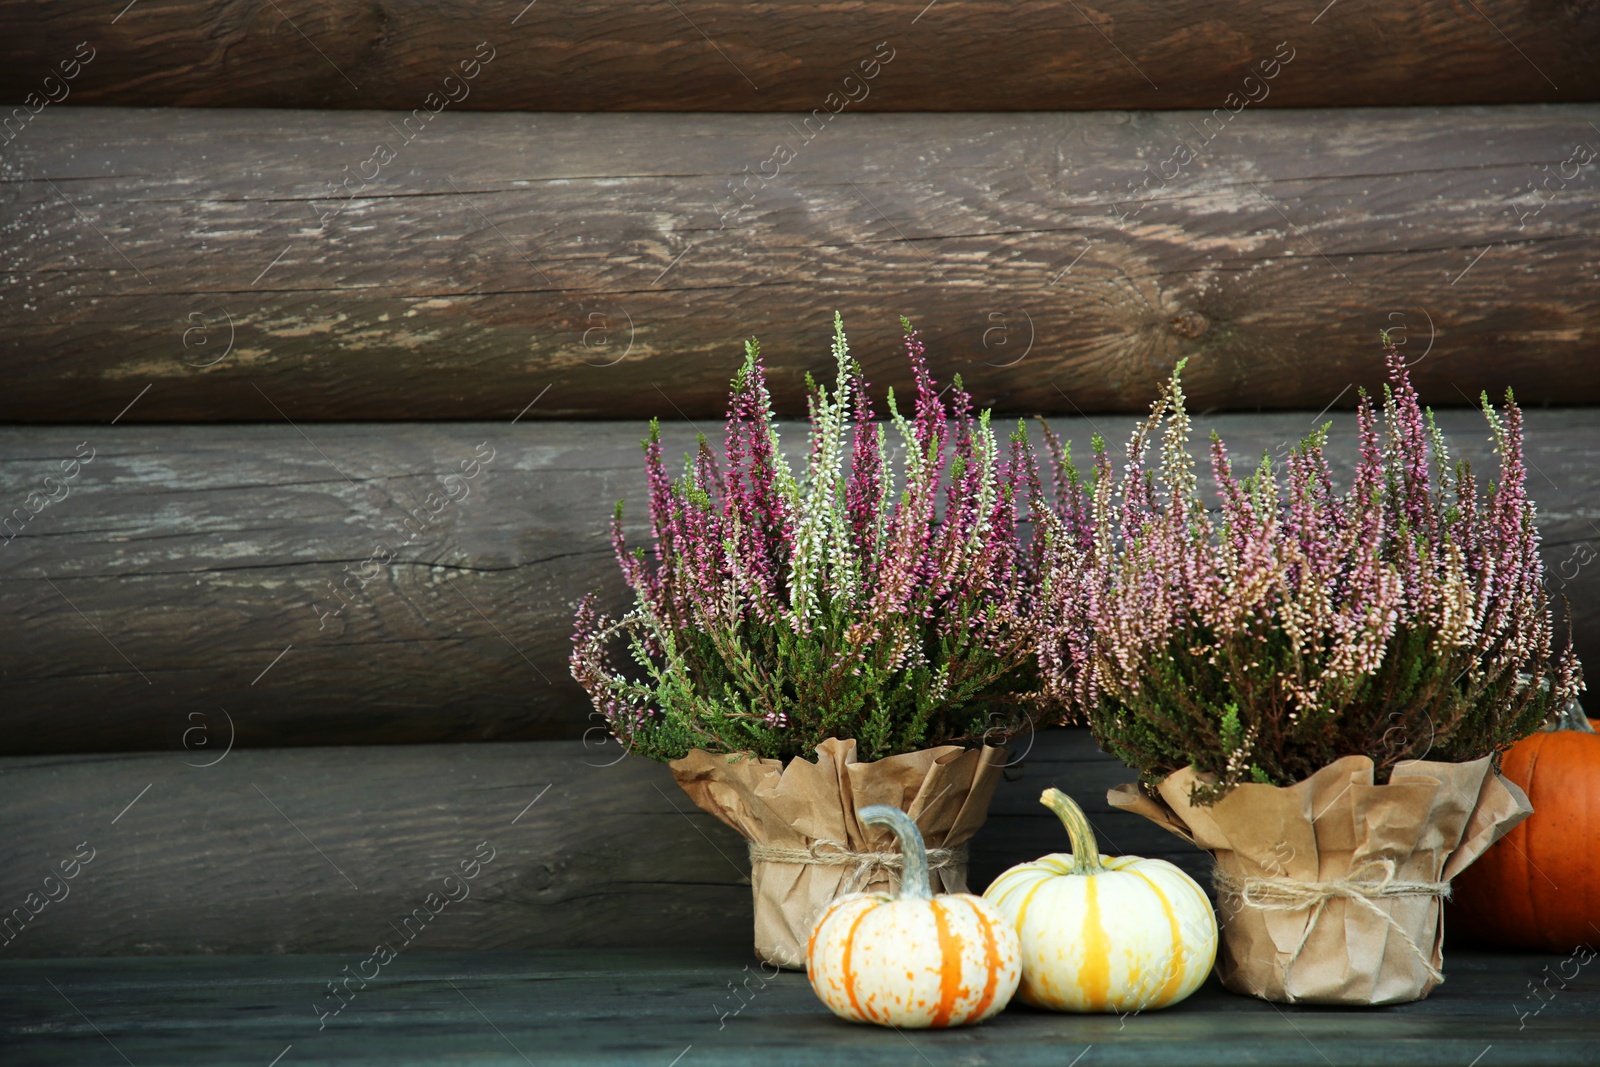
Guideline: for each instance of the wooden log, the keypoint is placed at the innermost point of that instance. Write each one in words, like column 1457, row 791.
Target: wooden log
column 204, row 583
column 1060, row 262
column 320, row 849
column 783, row 55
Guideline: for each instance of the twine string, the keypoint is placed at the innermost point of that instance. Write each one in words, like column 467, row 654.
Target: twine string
column 867, row 867
column 1289, row 894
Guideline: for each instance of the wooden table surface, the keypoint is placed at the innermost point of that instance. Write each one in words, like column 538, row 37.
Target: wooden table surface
column 677, row 1010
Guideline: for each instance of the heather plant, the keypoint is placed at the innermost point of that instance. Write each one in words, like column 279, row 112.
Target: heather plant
column 779, row 610
column 1296, row 625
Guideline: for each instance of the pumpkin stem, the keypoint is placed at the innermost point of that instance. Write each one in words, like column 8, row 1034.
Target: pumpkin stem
column 1085, row 849
column 913, row 854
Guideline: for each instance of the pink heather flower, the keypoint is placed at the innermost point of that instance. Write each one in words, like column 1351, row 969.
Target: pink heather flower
column 1294, row 624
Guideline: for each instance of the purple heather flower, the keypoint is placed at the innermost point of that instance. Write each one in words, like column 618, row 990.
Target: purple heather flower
column 751, row 558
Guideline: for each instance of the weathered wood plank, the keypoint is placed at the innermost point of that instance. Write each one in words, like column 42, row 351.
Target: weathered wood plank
column 195, row 571
column 631, row 1007
column 782, row 55
column 1060, row 262
column 319, row 849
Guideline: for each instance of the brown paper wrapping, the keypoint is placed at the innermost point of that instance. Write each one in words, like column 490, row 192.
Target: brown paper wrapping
column 946, row 790
column 1430, row 822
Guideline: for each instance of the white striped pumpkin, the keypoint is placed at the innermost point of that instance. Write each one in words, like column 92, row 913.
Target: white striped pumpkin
column 1105, row 933
column 912, row 960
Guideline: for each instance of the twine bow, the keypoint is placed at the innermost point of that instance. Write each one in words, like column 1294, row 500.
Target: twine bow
column 868, row 867
column 1290, row 894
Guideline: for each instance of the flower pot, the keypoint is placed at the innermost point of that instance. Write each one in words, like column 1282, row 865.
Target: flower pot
column 807, row 846
column 1330, row 890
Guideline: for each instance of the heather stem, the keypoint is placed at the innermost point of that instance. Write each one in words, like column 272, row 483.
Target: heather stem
column 1573, row 718
column 1085, row 849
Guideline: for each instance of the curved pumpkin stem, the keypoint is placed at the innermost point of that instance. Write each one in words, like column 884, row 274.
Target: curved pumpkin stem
column 1085, row 849
column 914, row 855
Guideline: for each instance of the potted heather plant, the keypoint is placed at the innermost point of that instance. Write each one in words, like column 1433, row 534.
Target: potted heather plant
column 1316, row 686
column 803, row 645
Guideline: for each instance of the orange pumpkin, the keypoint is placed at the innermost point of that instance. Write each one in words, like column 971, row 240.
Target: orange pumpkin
column 1539, row 886
column 912, row 960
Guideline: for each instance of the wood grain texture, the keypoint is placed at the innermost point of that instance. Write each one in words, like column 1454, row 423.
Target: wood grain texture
column 629, row 1007
column 191, row 571
column 210, row 256
column 784, row 55
column 319, row 849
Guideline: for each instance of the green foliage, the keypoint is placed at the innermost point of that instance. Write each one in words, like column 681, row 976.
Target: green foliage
column 777, row 694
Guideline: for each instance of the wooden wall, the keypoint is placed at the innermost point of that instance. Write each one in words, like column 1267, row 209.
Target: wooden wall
column 272, row 272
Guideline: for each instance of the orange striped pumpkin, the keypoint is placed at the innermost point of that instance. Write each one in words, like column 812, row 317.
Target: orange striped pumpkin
column 912, row 960
column 1105, row 933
